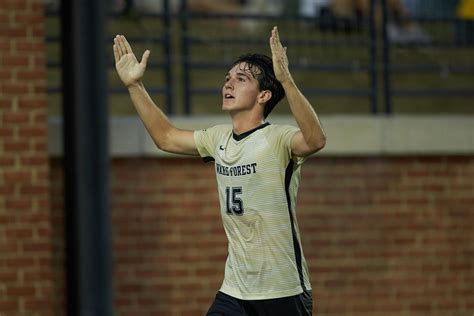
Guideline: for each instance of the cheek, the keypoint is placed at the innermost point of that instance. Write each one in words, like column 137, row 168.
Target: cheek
column 250, row 91
column 249, row 96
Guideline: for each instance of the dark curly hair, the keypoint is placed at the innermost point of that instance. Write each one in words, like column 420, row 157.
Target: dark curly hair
column 261, row 67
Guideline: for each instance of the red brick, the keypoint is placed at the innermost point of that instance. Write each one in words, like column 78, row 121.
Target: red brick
column 5, row 74
column 30, row 45
column 14, row 88
column 40, row 62
column 38, row 30
column 19, row 233
column 6, row 161
column 37, row 247
column 29, row 19
column 33, row 161
column 4, row 17
column 18, row 204
column 9, row 247
column 5, row 45
column 13, row 32
column 33, row 190
column 421, row 307
column 15, row 117
column 31, row 75
column 9, row 305
column 17, row 176
column 36, row 304
column 8, row 276
column 40, row 146
column 24, row 246
column 40, row 117
column 19, row 262
column 15, row 5
column 16, row 146
column 32, row 104
column 6, row 190
column 5, row 104
column 12, row 61
column 35, row 131
column 20, row 291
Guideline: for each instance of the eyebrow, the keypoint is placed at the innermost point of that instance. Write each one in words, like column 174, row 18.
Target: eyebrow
column 240, row 73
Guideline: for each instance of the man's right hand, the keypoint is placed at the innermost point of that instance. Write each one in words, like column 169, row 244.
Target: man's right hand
column 128, row 68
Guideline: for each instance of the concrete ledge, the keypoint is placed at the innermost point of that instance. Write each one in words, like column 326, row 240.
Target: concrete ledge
column 347, row 135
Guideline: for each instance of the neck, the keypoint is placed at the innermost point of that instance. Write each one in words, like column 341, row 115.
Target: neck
column 243, row 123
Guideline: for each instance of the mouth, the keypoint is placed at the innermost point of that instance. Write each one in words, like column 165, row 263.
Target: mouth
column 228, row 96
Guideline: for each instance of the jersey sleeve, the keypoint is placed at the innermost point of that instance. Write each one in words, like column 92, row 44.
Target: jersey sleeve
column 286, row 135
column 206, row 140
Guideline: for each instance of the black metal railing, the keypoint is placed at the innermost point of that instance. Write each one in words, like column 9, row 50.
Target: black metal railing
column 162, row 39
column 356, row 59
column 433, row 62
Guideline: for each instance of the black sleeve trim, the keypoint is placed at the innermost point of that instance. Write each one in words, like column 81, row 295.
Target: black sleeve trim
column 208, row 159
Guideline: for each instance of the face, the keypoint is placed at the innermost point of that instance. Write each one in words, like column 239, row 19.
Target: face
column 241, row 90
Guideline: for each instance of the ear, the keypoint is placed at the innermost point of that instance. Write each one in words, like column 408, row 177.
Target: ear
column 264, row 96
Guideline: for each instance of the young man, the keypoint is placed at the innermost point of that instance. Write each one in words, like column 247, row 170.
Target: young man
column 258, row 172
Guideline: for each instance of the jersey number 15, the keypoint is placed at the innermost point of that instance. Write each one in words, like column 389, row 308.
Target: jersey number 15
column 234, row 203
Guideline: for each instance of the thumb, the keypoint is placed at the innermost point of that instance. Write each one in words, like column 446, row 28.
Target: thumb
column 145, row 57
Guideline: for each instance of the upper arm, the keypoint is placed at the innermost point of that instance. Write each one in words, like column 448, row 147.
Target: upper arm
column 180, row 141
column 299, row 146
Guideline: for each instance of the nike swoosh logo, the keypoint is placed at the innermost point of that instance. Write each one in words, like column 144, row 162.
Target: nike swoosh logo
column 221, row 148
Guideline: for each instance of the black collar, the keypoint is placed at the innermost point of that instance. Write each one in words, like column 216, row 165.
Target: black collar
column 238, row 137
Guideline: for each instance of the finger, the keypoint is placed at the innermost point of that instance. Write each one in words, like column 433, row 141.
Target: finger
column 272, row 40
column 145, row 57
column 117, row 46
column 127, row 45
column 277, row 35
column 116, row 54
column 276, row 40
column 273, row 37
column 122, row 48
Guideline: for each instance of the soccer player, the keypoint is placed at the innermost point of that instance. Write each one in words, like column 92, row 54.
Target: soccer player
column 258, row 172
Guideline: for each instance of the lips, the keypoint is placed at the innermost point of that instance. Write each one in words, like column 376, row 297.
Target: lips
column 228, row 96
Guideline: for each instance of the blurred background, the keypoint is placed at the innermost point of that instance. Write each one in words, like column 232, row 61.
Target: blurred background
column 346, row 56
column 386, row 210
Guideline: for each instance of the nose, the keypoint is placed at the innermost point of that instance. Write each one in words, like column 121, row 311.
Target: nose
column 228, row 84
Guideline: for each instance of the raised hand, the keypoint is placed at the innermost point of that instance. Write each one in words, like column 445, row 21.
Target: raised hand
column 128, row 68
column 279, row 57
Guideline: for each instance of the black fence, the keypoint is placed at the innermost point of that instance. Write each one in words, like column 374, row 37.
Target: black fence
column 371, row 59
column 434, row 57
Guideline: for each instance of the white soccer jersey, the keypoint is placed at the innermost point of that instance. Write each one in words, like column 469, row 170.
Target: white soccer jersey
column 257, row 182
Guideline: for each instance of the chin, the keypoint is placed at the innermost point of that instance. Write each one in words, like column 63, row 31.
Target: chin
column 226, row 106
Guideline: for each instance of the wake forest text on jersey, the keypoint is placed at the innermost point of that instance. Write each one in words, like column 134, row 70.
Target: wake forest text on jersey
column 235, row 171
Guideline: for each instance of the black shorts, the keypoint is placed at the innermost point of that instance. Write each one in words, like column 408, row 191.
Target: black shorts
column 298, row 305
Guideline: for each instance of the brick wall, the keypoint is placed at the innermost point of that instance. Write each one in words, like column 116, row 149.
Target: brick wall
column 25, row 230
column 383, row 236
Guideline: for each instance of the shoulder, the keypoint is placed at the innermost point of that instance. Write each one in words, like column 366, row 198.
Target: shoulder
column 280, row 136
column 218, row 128
column 215, row 130
column 280, row 130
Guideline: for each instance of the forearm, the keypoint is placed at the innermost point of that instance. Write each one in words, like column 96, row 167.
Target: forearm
column 155, row 121
column 305, row 116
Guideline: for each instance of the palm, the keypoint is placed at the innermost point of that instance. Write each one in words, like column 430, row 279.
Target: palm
column 128, row 68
